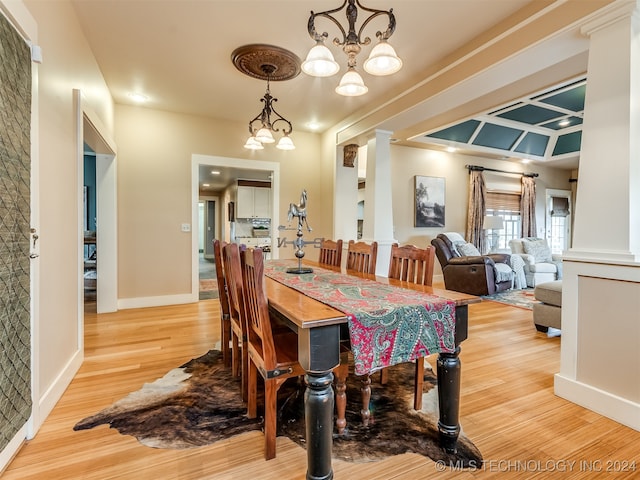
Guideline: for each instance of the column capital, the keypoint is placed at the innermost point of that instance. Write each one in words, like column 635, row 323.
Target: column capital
column 611, row 15
column 378, row 133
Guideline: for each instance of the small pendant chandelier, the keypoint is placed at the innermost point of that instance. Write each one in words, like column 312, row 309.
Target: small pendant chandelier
column 267, row 62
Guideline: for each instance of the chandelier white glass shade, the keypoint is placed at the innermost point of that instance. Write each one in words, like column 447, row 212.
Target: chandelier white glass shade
column 285, row 143
column 253, row 144
column 320, row 62
column 382, row 60
column 351, row 84
column 266, row 123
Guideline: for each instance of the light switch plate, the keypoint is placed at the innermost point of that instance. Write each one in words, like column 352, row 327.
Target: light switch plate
column 186, row 227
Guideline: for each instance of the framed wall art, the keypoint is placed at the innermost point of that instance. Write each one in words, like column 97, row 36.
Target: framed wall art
column 429, row 201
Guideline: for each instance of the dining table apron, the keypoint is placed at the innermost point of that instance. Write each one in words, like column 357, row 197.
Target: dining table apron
column 319, row 326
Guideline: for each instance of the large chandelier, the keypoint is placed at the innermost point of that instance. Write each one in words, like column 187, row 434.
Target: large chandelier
column 382, row 59
column 267, row 62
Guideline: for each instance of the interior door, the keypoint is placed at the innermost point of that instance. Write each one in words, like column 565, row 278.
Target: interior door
column 16, row 236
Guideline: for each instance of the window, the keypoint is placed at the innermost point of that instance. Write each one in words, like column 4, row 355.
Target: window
column 507, row 206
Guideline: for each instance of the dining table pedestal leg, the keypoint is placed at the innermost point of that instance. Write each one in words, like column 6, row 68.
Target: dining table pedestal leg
column 318, row 411
column 319, row 354
column 449, row 399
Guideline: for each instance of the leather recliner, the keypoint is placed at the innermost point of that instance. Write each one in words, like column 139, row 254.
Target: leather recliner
column 475, row 275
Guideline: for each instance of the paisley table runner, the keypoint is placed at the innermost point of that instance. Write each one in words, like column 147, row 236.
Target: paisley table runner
column 387, row 324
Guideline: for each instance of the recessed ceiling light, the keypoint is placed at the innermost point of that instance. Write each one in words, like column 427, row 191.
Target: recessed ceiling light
column 206, row 185
column 215, row 172
column 451, row 149
column 138, row 97
column 525, row 160
column 313, row 126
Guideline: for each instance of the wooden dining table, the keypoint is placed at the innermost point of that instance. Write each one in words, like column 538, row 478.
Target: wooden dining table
column 319, row 327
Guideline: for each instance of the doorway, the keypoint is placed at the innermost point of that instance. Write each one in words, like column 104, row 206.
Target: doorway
column 207, row 230
column 208, row 225
column 222, row 205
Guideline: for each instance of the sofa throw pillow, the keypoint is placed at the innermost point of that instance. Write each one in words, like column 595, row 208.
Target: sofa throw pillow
column 468, row 250
column 539, row 249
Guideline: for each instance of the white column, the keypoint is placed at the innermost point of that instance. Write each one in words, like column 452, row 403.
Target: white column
column 378, row 211
column 608, row 195
column 599, row 361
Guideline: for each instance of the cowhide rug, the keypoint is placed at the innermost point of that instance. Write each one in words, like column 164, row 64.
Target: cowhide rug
column 199, row 404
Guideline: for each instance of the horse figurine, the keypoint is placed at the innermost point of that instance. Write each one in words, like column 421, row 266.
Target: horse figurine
column 299, row 211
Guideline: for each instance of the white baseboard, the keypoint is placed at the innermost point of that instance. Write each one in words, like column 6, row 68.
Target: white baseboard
column 159, row 301
column 12, row 448
column 616, row 408
column 54, row 393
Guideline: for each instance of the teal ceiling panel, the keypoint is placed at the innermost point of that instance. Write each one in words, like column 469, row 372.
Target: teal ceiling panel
column 461, row 132
column 533, row 144
column 497, row 136
column 531, row 114
column 535, row 125
column 571, row 121
column 572, row 99
column 568, row 143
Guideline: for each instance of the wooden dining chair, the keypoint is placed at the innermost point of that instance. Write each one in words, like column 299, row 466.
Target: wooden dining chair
column 362, row 256
column 239, row 350
column 412, row 264
column 225, row 322
column 273, row 356
column 330, row 253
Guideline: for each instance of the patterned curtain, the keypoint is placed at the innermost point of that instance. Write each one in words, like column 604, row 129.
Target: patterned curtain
column 476, row 209
column 15, row 200
column 528, row 207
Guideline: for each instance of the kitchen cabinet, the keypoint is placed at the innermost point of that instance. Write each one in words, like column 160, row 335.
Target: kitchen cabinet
column 253, row 202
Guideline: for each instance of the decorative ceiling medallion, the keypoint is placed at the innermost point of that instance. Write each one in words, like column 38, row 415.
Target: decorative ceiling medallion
column 252, row 60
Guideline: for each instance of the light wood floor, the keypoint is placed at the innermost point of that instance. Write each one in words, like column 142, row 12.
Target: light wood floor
column 507, row 408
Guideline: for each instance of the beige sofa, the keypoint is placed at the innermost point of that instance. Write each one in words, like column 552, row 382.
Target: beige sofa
column 548, row 313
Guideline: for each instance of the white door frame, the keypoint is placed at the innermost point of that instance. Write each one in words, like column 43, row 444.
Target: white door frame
column 94, row 133
column 213, row 161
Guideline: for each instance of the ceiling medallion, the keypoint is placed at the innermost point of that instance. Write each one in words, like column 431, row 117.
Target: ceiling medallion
column 252, row 59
